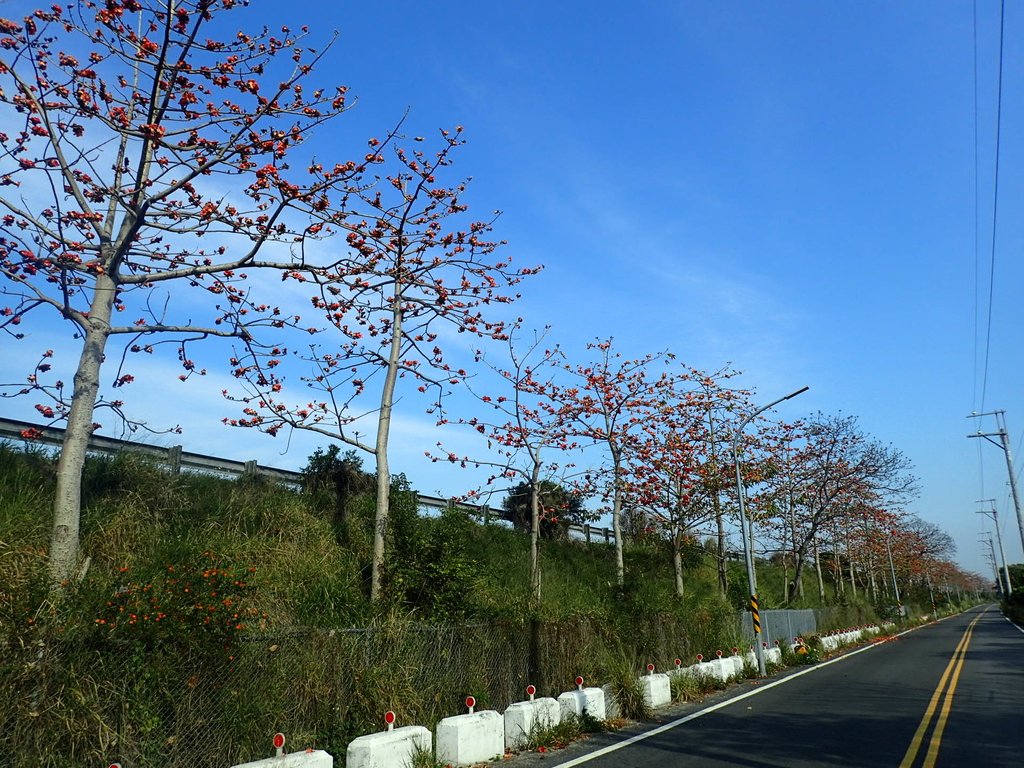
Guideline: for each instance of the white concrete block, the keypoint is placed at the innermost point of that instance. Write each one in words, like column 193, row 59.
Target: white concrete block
column 524, row 717
column 657, row 690
column 469, row 739
column 737, row 666
column 680, row 672
column 705, row 669
column 611, row 704
column 589, row 699
column 721, row 669
column 388, row 749
column 314, row 759
column 773, row 655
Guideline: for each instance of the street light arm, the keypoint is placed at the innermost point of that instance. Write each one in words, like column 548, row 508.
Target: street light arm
column 759, row 411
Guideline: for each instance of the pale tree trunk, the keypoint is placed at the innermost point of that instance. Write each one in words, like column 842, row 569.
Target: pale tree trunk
column 849, row 560
column 620, row 568
column 67, row 503
column 380, row 453
column 677, row 536
column 716, row 505
column 723, row 574
column 837, row 565
column 817, row 568
column 677, row 562
column 798, row 554
column 871, row 560
column 785, row 577
column 535, row 591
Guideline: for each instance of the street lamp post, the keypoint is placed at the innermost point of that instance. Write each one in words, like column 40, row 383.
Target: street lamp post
column 745, row 533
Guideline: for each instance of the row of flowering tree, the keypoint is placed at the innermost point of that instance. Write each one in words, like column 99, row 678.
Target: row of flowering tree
column 161, row 170
column 162, row 186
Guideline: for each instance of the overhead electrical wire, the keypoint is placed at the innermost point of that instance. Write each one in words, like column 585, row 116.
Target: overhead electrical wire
column 977, row 228
column 995, row 207
column 977, row 250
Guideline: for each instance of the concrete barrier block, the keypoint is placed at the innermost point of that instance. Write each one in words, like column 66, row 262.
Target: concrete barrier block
column 680, row 672
column 523, row 717
column 721, row 669
column 773, row 655
column 705, row 669
column 590, row 699
column 657, row 690
column 737, row 666
column 388, row 749
column 317, row 758
column 611, row 704
column 469, row 739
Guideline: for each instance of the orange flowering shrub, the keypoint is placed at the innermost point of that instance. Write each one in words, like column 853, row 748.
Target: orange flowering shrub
column 207, row 599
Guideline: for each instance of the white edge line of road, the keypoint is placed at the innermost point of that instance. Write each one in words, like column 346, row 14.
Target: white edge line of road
column 1014, row 624
column 720, row 705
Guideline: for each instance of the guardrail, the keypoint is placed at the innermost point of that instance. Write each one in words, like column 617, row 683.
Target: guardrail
column 177, row 459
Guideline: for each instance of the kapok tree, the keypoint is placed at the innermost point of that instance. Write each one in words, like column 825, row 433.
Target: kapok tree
column 775, row 501
column 529, row 433
column 839, row 468
column 666, row 475
column 720, row 404
column 151, row 159
column 610, row 399
column 414, row 263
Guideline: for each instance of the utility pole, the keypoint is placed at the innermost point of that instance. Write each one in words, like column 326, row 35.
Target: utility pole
column 991, row 557
column 1004, row 443
column 747, row 533
column 999, row 538
column 892, row 570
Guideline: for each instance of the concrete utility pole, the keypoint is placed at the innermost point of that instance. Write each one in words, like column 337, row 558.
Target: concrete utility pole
column 1004, row 443
column 892, row 569
column 746, row 533
column 991, row 557
column 999, row 538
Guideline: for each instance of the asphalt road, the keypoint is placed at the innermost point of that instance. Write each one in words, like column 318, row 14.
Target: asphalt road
column 949, row 694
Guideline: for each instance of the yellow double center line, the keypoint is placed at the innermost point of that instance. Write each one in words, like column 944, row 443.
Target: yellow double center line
column 945, row 695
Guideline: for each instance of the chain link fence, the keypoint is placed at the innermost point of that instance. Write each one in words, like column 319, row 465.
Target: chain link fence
column 66, row 704
column 785, row 625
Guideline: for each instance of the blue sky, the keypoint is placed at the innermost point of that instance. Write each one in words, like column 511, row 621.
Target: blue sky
column 786, row 187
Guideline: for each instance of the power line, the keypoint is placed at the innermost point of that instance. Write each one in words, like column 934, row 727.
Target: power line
column 995, row 205
column 974, row 368
column 977, row 249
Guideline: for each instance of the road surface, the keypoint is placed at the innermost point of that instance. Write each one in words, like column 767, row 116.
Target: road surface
column 949, row 694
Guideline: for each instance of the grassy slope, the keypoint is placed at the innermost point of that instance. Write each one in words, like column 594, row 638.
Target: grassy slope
column 137, row 517
column 288, row 566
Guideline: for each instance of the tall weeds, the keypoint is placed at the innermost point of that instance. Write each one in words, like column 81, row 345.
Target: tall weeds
column 100, row 677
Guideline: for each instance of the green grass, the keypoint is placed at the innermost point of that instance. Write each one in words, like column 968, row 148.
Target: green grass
column 295, row 663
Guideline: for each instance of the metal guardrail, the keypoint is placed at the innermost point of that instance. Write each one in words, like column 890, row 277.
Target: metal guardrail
column 178, row 459
column 174, row 456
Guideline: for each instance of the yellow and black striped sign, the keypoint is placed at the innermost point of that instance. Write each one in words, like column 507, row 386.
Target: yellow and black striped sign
column 755, row 614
